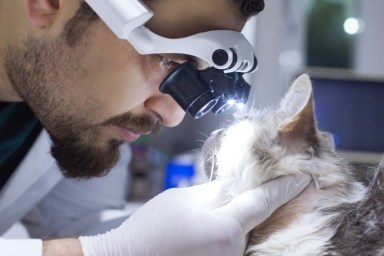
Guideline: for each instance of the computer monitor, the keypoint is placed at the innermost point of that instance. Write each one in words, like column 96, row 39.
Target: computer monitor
column 351, row 107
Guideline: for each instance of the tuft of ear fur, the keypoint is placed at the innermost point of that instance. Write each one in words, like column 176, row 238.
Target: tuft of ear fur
column 298, row 132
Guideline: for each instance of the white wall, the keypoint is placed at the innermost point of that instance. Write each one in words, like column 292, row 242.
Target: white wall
column 279, row 44
column 369, row 58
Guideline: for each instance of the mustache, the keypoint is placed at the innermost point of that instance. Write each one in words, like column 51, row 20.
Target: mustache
column 143, row 124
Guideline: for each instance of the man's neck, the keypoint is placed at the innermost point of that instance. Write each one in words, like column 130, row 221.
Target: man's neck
column 9, row 35
column 7, row 93
column 6, row 96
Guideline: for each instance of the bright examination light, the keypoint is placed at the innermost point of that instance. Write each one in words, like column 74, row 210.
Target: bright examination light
column 231, row 102
column 352, row 26
column 240, row 105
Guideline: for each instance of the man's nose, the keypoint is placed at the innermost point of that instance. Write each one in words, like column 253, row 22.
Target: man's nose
column 165, row 106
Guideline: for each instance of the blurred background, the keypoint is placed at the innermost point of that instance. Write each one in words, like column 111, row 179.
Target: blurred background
column 340, row 43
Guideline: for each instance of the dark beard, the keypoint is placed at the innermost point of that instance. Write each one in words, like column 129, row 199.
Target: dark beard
column 79, row 160
column 37, row 70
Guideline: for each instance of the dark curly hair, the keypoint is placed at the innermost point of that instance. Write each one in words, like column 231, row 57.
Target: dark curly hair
column 249, row 8
column 85, row 16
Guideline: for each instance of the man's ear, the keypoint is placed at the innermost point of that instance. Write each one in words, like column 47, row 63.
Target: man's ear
column 41, row 13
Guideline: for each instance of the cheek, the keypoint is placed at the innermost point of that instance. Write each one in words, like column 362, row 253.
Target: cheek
column 111, row 78
column 115, row 91
column 152, row 69
column 118, row 78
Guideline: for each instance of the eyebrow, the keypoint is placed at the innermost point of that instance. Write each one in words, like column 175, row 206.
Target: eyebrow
column 185, row 57
column 178, row 56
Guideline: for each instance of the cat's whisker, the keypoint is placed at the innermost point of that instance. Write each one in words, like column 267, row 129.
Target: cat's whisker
column 194, row 150
column 200, row 141
column 203, row 134
column 212, row 173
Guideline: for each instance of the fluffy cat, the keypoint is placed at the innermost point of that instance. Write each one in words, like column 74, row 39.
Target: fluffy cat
column 334, row 215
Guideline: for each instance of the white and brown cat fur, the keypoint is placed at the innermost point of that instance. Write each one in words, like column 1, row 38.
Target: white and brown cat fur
column 334, row 215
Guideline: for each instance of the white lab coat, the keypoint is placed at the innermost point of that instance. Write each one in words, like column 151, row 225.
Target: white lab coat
column 51, row 206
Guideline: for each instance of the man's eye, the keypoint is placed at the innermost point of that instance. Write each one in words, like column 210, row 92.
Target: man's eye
column 167, row 63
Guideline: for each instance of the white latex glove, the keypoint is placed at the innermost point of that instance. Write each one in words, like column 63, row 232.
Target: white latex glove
column 194, row 222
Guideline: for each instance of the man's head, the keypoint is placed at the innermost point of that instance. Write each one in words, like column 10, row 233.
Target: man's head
column 91, row 90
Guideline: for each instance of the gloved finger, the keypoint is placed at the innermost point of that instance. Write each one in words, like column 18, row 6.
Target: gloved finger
column 254, row 206
column 203, row 196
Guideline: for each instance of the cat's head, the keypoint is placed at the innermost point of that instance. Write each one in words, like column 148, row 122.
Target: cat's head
column 263, row 145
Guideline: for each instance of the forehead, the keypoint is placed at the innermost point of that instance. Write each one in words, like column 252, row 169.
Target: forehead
column 180, row 18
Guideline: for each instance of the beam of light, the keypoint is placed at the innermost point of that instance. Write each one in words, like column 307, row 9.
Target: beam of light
column 240, row 105
column 231, row 102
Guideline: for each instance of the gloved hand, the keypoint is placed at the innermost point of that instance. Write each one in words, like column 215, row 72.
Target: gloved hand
column 194, row 221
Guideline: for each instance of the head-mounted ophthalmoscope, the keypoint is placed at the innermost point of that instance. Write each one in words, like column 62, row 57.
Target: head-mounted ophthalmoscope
column 228, row 53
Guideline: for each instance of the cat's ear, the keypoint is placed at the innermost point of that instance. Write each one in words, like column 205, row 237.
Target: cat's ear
column 299, row 131
column 297, row 96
